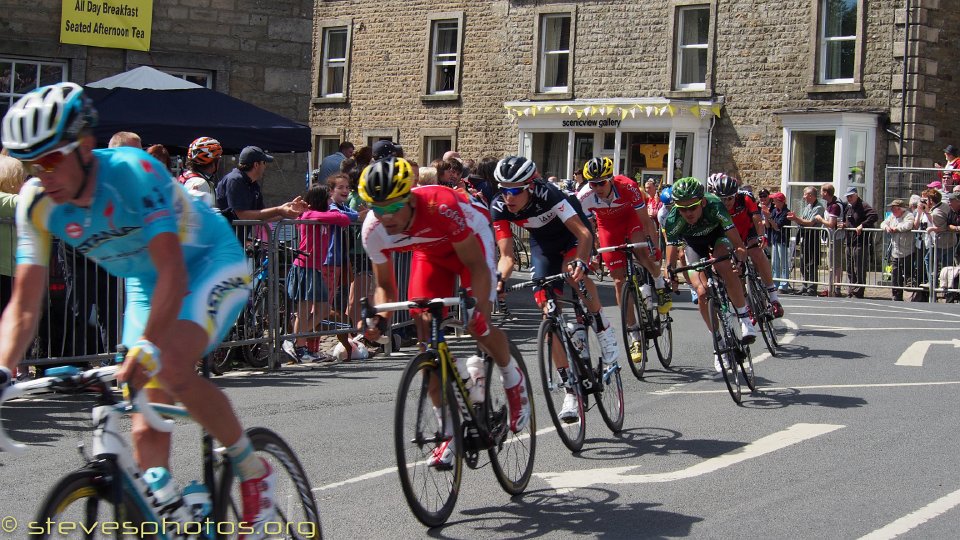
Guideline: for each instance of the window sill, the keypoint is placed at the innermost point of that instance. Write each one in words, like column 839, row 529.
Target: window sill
column 834, row 88
column 440, row 97
column 328, row 100
column 685, row 94
column 551, row 96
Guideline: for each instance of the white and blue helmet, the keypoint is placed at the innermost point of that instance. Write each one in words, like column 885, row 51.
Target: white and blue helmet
column 46, row 117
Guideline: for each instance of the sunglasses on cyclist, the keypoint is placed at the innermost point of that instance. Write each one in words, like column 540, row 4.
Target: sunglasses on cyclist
column 49, row 161
column 392, row 208
column 513, row 191
column 732, row 197
column 688, row 207
column 598, row 181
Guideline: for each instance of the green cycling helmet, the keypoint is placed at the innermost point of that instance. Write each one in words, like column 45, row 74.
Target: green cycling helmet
column 687, row 188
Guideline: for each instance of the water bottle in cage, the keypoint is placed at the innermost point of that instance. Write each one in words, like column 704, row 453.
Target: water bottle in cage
column 577, row 335
column 478, row 377
column 647, row 292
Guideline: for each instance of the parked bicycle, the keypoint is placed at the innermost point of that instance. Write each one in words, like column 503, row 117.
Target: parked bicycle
column 109, row 490
column 735, row 359
column 434, row 406
column 758, row 300
column 573, row 342
column 642, row 323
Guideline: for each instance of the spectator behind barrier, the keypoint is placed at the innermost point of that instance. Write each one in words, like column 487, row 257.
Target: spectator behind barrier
column 428, row 176
column 857, row 216
column 12, row 177
column 239, row 194
column 950, row 175
column 160, row 152
column 331, row 164
column 125, row 138
column 902, row 248
column 808, row 239
column 779, row 238
column 940, row 241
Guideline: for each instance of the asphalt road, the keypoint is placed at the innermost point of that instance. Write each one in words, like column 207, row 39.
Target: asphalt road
column 854, row 433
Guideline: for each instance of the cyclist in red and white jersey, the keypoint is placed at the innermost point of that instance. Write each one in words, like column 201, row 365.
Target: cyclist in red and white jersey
column 745, row 213
column 449, row 237
column 203, row 158
column 619, row 209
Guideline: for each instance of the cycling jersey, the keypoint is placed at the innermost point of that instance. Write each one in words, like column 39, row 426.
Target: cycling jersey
column 715, row 217
column 544, row 216
column 616, row 215
column 744, row 208
column 135, row 200
column 441, row 218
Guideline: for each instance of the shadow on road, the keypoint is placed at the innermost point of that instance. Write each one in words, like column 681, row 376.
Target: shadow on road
column 785, row 397
column 643, row 441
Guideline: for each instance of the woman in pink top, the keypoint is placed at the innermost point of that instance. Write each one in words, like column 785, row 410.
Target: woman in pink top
column 305, row 282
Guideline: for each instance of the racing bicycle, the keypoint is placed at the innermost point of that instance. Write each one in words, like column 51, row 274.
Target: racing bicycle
column 642, row 323
column 109, row 490
column 758, row 299
column 434, row 407
column 736, row 362
column 585, row 374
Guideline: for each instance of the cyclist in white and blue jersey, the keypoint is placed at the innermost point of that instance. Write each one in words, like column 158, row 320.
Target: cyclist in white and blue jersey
column 186, row 274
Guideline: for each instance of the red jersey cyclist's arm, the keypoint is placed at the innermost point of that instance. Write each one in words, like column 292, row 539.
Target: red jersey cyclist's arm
column 471, row 254
column 734, row 236
column 647, row 222
column 386, row 282
column 167, row 299
column 22, row 314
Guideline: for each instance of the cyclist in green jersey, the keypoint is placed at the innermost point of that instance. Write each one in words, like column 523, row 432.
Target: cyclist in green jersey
column 702, row 222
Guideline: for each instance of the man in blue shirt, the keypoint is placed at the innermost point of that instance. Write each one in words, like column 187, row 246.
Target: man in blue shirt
column 239, row 195
column 331, row 164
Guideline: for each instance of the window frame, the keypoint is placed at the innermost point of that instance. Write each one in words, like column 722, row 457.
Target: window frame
column 322, row 46
column 818, row 82
column 430, row 134
column 705, row 89
column 318, row 136
column 539, row 91
column 844, row 126
column 8, row 92
column 433, row 22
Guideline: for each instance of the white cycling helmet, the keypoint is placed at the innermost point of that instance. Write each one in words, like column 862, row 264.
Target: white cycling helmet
column 515, row 170
column 42, row 119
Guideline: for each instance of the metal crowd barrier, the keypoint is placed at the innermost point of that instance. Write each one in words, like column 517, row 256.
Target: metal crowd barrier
column 820, row 257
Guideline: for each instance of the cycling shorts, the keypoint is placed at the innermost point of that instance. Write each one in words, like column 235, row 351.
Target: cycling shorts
column 615, row 234
column 549, row 264
column 216, row 294
column 701, row 247
column 436, row 277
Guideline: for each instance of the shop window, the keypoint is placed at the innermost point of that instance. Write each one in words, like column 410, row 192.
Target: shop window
column 335, row 47
column 838, row 41
column 549, row 152
column 692, row 47
column 17, row 77
column 443, row 71
column 436, row 147
column 554, row 53
column 202, row 78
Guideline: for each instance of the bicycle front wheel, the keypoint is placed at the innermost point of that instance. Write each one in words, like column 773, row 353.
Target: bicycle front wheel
column 610, row 397
column 762, row 313
column 419, row 436
column 664, row 340
column 572, row 426
column 297, row 514
column 725, row 348
column 81, row 499
column 512, row 455
column 634, row 333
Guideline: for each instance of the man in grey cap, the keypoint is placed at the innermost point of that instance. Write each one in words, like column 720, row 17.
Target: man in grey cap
column 902, row 245
column 239, row 195
column 857, row 216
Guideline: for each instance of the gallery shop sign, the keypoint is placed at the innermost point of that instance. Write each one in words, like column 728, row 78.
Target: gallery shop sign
column 117, row 24
column 591, row 122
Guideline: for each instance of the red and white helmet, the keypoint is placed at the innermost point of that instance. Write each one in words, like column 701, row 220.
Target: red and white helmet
column 204, row 151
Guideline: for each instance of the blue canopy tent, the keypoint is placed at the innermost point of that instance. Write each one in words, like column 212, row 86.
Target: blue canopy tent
column 146, row 102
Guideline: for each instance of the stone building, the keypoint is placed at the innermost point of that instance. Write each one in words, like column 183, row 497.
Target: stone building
column 779, row 94
column 258, row 51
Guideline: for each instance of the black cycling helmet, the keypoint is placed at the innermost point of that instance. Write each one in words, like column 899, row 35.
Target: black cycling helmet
column 515, row 170
column 385, row 179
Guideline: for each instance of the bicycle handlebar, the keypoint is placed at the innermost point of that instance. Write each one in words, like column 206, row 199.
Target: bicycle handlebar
column 72, row 380
column 702, row 264
column 538, row 282
column 624, row 247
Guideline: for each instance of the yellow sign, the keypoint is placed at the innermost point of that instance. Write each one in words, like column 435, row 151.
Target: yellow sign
column 118, row 24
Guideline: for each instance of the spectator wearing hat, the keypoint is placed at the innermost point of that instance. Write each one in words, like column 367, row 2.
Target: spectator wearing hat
column 385, row 149
column 331, row 164
column 808, row 239
column 779, row 238
column 857, row 216
column 953, row 221
column 902, row 248
column 832, row 216
column 239, row 195
column 950, row 175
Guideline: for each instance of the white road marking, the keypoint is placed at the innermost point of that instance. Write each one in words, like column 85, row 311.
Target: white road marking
column 568, row 481
column 915, row 519
column 812, row 387
column 875, row 317
column 787, row 338
column 917, row 350
column 884, row 329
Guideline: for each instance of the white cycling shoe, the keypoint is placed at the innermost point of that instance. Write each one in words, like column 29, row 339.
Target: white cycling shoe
column 570, row 412
column 608, row 345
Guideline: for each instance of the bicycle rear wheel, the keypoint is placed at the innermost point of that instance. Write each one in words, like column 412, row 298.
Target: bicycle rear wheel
column 664, row 341
column 610, row 397
column 297, row 514
column 635, row 334
column 725, row 348
column 760, row 306
column 431, row 492
column 81, row 499
column 512, row 456
column 572, row 431
column 745, row 359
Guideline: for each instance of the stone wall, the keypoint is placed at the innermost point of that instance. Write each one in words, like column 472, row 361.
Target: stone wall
column 259, row 50
column 762, row 66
